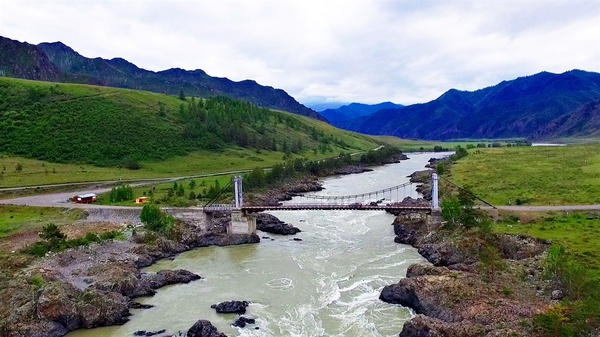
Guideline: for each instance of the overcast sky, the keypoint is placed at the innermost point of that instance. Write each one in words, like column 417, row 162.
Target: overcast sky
column 365, row 51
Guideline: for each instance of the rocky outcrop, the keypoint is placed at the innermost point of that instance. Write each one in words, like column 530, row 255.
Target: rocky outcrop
column 231, row 307
column 423, row 180
column 351, row 169
column 167, row 277
column 458, row 295
column 463, row 298
column 204, row 328
column 271, row 224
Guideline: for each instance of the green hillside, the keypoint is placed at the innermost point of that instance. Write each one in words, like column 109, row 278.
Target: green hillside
column 72, row 123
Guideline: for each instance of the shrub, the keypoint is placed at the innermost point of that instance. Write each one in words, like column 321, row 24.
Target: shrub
column 441, row 168
column 156, row 220
column 121, row 193
column 491, row 262
column 131, row 164
column 52, row 235
column 55, row 240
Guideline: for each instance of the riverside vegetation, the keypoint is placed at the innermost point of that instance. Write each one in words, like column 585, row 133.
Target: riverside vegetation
column 200, row 191
column 538, row 175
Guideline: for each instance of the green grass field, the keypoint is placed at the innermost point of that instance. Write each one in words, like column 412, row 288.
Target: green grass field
column 578, row 232
column 567, row 175
column 23, row 218
column 37, row 172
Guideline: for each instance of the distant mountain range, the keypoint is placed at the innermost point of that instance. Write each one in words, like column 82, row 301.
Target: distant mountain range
column 541, row 106
column 343, row 116
column 57, row 62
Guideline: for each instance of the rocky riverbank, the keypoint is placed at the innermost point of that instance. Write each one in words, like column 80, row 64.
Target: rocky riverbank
column 423, row 181
column 94, row 286
column 462, row 293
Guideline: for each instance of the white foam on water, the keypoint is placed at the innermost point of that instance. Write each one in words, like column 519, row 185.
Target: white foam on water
column 264, row 329
column 281, row 284
column 301, row 321
column 298, row 261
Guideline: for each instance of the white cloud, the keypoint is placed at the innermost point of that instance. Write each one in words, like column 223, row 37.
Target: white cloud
column 323, row 51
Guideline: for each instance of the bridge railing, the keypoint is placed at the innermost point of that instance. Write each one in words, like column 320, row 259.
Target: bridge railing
column 220, row 207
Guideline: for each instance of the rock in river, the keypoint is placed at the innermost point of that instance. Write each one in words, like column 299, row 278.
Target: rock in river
column 242, row 321
column 270, row 224
column 204, row 328
column 231, row 307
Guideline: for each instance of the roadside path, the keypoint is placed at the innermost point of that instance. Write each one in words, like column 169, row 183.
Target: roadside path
column 60, row 200
column 138, row 182
column 551, row 208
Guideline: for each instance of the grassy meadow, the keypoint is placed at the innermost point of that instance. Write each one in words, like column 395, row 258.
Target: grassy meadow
column 578, row 232
column 24, row 218
column 565, row 175
column 37, row 172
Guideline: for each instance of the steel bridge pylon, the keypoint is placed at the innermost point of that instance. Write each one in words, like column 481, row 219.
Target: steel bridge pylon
column 238, row 192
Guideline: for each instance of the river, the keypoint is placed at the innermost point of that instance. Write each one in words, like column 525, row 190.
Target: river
column 328, row 284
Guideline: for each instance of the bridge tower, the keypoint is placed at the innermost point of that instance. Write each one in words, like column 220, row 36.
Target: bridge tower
column 240, row 222
column 434, row 192
column 237, row 185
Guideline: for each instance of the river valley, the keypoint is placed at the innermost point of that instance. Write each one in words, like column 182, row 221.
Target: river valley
column 328, row 284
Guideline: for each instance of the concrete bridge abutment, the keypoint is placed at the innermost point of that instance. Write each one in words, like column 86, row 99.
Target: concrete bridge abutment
column 241, row 223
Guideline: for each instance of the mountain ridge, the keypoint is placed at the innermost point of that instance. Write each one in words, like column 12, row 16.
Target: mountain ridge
column 57, row 62
column 343, row 116
column 519, row 108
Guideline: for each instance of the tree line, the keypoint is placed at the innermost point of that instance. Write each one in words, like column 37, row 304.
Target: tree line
column 113, row 127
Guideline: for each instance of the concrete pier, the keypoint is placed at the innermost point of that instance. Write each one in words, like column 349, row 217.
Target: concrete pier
column 241, row 223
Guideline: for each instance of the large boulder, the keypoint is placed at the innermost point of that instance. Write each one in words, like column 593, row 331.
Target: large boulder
column 204, row 328
column 231, row 307
column 271, row 224
column 242, row 321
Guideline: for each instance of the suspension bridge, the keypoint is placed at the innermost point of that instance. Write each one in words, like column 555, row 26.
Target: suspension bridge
column 388, row 199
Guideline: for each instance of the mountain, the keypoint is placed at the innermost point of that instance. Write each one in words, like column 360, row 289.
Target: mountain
column 342, row 115
column 60, row 63
column 529, row 107
column 581, row 123
column 104, row 126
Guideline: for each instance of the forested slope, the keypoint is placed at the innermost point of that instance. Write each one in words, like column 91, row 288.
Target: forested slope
column 108, row 126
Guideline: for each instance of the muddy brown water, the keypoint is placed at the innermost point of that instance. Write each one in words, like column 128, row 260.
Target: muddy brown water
column 328, row 284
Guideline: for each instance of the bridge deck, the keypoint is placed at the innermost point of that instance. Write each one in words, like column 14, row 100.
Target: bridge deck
column 311, row 207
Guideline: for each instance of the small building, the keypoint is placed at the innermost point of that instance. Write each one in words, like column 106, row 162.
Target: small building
column 141, row 200
column 85, row 198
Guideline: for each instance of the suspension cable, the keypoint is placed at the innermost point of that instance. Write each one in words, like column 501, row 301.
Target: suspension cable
column 312, row 196
column 467, row 191
column 221, row 192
